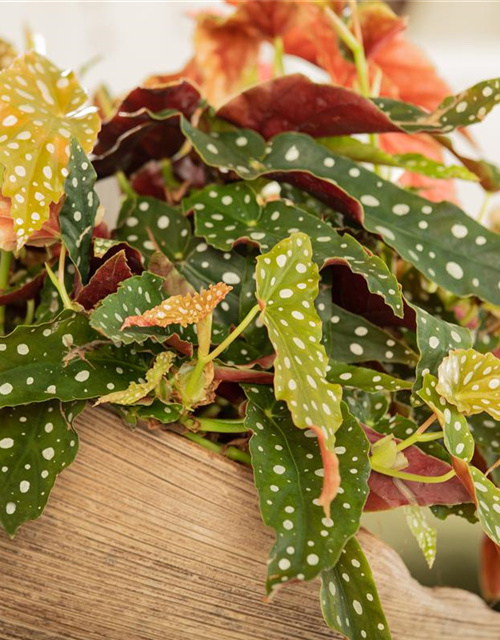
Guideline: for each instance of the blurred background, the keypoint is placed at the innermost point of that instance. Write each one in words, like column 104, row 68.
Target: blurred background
column 127, row 41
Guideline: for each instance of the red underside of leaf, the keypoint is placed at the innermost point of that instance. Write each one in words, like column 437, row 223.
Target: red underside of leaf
column 132, row 137
column 105, row 280
column 385, row 494
column 294, row 103
column 27, row 292
column 490, row 570
column 228, row 374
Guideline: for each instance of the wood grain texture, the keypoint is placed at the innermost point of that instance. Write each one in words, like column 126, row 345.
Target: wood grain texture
column 149, row 537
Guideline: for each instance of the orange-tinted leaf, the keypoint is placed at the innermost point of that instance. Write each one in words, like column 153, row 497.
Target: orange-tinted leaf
column 268, row 18
column 379, row 25
column 226, row 53
column 294, row 103
column 41, row 109
column 134, row 135
column 48, row 234
column 183, row 310
column 490, row 570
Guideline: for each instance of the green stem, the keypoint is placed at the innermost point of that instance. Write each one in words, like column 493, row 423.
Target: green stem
column 203, row 361
column 220, row 426
column 279, row 49
column 484, row 207
column 412, row 477
column 5, row 262
column 233, row 453
column 61, row 289
column 417, row 435
column 124, row 184
column 429, row 437
column 30, row 311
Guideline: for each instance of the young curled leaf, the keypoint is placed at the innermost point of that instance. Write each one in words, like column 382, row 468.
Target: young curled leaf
column 287, row 285
column 41, row 109
column 471, row 381
column 136, row 391
column 183, row 310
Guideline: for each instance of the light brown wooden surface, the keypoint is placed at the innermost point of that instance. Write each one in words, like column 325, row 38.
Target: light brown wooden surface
column 149, row 537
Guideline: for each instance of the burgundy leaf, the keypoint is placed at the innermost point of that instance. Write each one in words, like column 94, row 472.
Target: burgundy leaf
column 26, row 292
column 490, row 570
column 133, row 136
column 385, row 494
column 105, row 280
column 133, row 255
column 149, row 181
column 234, row 374
column 295, row 103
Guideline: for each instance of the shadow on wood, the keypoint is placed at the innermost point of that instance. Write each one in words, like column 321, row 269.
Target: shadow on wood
column 149, row 537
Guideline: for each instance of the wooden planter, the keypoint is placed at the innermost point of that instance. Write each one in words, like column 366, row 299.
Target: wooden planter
column 149, row 537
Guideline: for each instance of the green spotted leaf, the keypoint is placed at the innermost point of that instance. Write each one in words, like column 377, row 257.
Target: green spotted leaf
column 415, row 162
column 435, row 338
column 350, row 338
column 161, row 411
column 438, row 239
column 78, row 214
column 424, row 534
column 288, row 474
column 471, row 381
column 461, row 110
column 37, row 442
column 457, row 436
column 349, row 597
column 136, row 391
column 134, row 296
column 486, row 433
column 64, row 359
column 364, row 379
column 488, row 504
column 228, row 215
column 287, row 285
column 151, row 225
column 368, row 408
column 466, row 511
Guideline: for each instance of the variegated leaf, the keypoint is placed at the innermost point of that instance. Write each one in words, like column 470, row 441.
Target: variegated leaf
column 457, row 436
column 349, row 597
column 37, row 442
column 471, row 381
column 227, row 215
column 136, row 391
column 287, row 285
column 424, row 534
column 288, row 475
column 41, row 109
column 364, row 379
column 488, row 504
column 181, row 310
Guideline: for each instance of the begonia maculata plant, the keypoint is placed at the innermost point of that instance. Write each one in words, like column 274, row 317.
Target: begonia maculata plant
column 291, row 281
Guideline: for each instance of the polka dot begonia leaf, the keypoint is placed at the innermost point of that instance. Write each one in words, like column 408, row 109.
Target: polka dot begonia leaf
column 41, row 109
column 471, row 381
column 160, row 411
column 461, row 110
column 457, row 436
column 435, row 338
column 136, row 391
column 228, row 215
column 365, row 379
column 78, row 213
column 51, row 360
column 101, row 246
column 415, row 162
column 37, row 442
column 486, row 433
column 349, row 598
column 287, row 285
column 350, row 338
column 181, row 310
column 288, row 474
column 368, row 408
column 438, row 239
column 488, row 503
column 425, row 535
column 152, row 225
column 136, row 295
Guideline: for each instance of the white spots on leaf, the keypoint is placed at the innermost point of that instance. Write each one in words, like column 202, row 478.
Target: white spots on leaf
column 48, row 453
column 370, row 201
column 459, row 231
column 292, row 154
column 6, row 443
column 279, row 469
column 6, row 388
column 400, row 209
column 23, row 349
column 10, row 508
column 455, row 270
column 229, row 277
column 82, row 376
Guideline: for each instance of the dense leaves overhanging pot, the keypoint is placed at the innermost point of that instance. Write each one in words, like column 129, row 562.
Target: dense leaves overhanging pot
column 269, row 291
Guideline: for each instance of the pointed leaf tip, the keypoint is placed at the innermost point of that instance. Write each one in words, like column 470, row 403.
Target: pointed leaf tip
column 183, row 310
